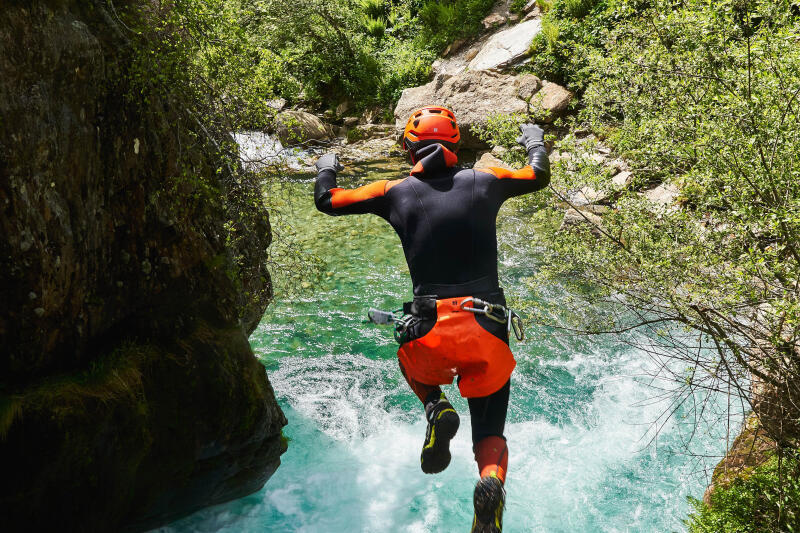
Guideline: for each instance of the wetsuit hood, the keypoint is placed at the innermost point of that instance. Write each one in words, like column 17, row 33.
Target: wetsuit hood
column 432, row 158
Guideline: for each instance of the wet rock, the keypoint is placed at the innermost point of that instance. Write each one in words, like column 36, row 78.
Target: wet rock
column 362, row 151
column 507, row 47
column 350, row 122
column 295, row 127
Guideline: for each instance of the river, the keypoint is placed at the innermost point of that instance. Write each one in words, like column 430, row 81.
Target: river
column 583, row 457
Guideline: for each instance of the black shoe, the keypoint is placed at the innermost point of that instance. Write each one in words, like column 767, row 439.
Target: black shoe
column 489, row 498
column 443, row 423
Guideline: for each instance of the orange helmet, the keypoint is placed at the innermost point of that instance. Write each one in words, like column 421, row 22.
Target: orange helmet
column 431, row 124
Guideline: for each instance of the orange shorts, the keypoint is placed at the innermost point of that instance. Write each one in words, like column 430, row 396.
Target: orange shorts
column 458, row 345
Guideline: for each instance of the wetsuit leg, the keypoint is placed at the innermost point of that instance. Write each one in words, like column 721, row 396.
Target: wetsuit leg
column 425, row 393
column 488, row 423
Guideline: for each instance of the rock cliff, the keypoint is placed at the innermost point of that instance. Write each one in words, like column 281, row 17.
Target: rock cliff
column 129, row 394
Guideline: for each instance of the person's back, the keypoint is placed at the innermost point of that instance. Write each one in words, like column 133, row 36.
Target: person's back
column 444, row 215
column 446, row 219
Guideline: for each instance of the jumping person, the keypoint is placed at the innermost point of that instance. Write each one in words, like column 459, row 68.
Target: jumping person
column 446, row 219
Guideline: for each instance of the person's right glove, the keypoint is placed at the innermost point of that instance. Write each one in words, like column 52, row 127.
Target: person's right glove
column 329, row 161
column 532, row 136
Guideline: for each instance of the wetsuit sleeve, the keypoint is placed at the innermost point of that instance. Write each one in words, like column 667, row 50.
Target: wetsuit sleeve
column 531, row 178
column 335, row 201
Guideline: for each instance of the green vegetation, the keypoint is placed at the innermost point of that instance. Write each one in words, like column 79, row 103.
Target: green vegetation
column 573, row 32
column 315, row 52
column 365, row 51
column 767, row 498
column 701, row 97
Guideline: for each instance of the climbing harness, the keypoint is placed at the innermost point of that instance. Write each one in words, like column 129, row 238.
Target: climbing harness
column 402, row 322
column 413, row 312
column 496, row 312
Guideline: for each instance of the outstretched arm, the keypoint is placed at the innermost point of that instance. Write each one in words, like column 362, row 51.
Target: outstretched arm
column 334, row 200
column 533, row 177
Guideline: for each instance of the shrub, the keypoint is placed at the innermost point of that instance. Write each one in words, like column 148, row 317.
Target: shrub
column 766, row 499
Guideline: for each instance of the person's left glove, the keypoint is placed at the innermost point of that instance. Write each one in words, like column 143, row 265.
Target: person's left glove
column 532, row 136
column 329, row 161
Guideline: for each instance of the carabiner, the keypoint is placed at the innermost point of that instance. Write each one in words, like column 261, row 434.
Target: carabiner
column 465, row 301
column 487, row 311
column 515, row 324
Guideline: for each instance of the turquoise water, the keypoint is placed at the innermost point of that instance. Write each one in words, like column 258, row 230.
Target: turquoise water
column 583, row 453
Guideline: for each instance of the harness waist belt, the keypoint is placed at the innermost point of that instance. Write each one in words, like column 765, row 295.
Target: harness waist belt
column 484, row 285
column 424, row 307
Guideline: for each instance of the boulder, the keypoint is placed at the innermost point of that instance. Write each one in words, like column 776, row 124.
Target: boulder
column 371, row 115
column 294, row 127
column 664, row 195
column 278, row 104
column 623, row 179
column 370, row 131
column 588, row 195
column 134, row 267
column 492, row 20
column 473, row 96
column 507, row 47
column 530, row 6
column 499, row 150
column 532, row 11
column 367, row 151
column 615, row 166
column 489, row 160
column 551, row 101
column 454, row 47
column 343, row 107
column 529, row 85
column 574, row 217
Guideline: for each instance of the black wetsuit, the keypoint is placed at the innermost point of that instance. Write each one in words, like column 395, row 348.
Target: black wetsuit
column 445, row 216
column 446, row 219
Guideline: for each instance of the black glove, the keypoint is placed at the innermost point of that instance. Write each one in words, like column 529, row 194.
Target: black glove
column 532, row 136
column 329, row 161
